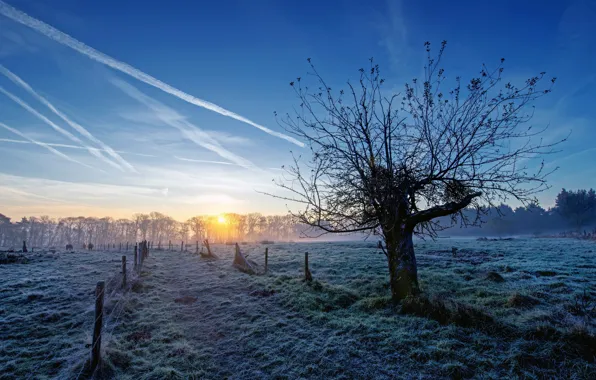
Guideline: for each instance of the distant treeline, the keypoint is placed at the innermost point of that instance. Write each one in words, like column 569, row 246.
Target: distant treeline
column 574, row 210
column 158, row 228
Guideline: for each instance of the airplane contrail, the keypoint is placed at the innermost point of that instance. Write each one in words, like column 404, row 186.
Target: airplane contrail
column 65, row 39
column 189, row 130
column 79, row 128
column 72, row 137
column 203, row 161
column 53, row 150
column 75, row 147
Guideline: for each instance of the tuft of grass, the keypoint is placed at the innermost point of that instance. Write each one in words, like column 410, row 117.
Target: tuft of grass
column 118, row 358
column 373, row 303
column 546, row 273
column 521, row 300
column 139, row 336
column 164, row 373
column 494, row 277
column 186, row 300
column 446, row 311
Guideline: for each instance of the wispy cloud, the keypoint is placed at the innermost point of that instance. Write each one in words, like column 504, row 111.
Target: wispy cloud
column 51, row 149
column 394, row 33
column 81, row 191
column 64, row 39
column 230, row 139
column 12, row 43
column 25, row 195
column 188, row 130
column 59, row 129
column 75, row 147
column 79, row 128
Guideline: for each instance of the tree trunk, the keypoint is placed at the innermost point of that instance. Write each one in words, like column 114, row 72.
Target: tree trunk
column 403, row 271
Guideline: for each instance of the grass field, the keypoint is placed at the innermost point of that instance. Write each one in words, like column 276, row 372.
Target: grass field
column 520, row 308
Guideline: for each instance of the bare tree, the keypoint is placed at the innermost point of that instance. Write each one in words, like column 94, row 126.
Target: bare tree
column 196, row 227
column 391, row 163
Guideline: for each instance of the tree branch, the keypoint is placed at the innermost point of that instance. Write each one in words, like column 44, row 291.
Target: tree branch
column 441, row 210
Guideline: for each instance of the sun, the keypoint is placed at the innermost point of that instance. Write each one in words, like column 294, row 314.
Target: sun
column 221, row 219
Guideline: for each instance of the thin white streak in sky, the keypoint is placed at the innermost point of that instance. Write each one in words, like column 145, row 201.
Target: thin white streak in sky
column 203, row 161
column 28, row 194
column 210, row 162
column 64, row 39
column 189, row 130
column 72, row 137
column 76, row 147
column 79, row 128
column 53, row 150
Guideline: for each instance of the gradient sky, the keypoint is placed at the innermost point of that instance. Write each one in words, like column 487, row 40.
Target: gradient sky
column 183, row 160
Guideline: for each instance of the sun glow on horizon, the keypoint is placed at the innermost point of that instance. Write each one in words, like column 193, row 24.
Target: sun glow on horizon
column 221, row 219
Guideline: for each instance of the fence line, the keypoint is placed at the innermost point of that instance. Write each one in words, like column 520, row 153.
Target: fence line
column 110, row 320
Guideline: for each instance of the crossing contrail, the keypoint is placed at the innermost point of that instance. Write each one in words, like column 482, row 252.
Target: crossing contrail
column 188, row 130
column 53, row 150
column 97, row 153
column 64, row 39
column 68, row 146
column 79, row 128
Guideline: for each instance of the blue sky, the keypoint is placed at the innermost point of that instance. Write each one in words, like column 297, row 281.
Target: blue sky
column 181, row 159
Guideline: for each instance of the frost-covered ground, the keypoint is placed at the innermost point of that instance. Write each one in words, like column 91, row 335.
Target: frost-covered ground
column 190, row 317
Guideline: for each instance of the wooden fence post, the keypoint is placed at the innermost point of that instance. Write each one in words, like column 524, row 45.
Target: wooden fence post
column 170, row 246
column 123, row 271
column 307, row 274
column 197, row 247
column 266, row 258
column 182, row 246
column 206, row 242
column 136, row 258
column 96, row 344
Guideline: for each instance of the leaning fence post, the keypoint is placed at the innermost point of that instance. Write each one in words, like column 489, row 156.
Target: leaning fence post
column 307, row 274
column 123, row 271
column 266, row 258
column 96, row 344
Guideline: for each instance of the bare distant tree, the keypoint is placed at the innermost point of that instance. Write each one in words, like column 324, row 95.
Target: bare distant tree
column 391, row 163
